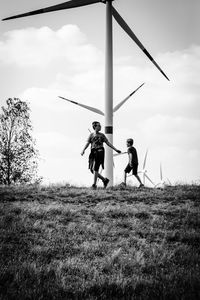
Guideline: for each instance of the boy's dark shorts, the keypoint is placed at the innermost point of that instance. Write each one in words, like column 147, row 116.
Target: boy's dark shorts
column 96, row 159
column 134, row 169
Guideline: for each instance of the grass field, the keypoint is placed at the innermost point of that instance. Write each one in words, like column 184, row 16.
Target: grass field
column 63, row 242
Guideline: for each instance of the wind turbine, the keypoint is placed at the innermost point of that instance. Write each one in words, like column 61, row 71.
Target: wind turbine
column 110, row 11
column 162, row 182
column 144, row 171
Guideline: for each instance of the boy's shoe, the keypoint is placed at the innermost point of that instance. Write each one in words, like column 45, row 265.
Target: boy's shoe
column 105, row 182
column 141, row 185
column 94, row 187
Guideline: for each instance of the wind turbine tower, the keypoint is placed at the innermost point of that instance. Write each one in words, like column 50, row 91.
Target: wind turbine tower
column 110, row 12
column 109, row 92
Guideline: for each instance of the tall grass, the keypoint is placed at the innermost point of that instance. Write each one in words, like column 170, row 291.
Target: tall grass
column 63, row 242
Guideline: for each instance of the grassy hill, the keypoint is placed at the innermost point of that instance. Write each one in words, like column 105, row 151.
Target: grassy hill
column 63, row 242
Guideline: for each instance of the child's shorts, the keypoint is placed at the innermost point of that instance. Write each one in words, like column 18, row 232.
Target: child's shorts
column 134, row 169
column 96, row 159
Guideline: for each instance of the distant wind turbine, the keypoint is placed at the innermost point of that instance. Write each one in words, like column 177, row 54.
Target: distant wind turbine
column 162, row 182
column 144, row 171
column 110, row 11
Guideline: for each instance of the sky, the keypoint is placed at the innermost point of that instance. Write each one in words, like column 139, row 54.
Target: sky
column 63, row 54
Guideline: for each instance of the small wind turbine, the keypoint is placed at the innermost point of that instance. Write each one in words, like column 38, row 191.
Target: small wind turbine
column 162, row 182
column 144, row 171
column 110, row 11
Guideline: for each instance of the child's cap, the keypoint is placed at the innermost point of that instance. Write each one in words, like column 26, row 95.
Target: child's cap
column 129, row 141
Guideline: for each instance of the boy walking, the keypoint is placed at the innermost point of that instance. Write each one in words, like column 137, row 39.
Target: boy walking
column 133, row 162
column 96, row 157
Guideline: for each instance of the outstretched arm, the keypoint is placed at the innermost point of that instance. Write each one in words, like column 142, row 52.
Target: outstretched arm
column 87, row 144
column 111, row 146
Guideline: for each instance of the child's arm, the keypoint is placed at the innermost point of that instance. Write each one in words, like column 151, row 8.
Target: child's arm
column 130, row 155
column 87, row 144
column 111, row 146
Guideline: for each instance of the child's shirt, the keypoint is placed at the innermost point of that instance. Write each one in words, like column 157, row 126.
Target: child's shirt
column 133, row 151
column 96, row 140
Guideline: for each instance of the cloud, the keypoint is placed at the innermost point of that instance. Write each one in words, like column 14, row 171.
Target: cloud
column 85, row 87
column 43, row 100
column 60, row 157
column 54, row 144
column 173, row 131
column 41, row 47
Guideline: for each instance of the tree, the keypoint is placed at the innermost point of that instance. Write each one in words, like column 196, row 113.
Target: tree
column 18, row 156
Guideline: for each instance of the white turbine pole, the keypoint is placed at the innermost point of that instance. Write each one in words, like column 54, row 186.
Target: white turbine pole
column 109, row 92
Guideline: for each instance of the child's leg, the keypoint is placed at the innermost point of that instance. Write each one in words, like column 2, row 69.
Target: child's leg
column 95, row 177
column 101, row 177
column 125, row 175
column 98, row 175
column 138, row 178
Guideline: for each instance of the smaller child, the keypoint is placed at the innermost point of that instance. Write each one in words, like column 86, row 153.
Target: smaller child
column 133, row 162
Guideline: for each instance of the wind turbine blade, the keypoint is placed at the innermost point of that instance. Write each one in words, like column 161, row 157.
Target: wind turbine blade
column 128, row 30
column 161, row 177
column 65, row 5
column 149, row 179
column 169, row 181
column 144, row 178
column 84, row 106
column 145, row 158
column 122, row 102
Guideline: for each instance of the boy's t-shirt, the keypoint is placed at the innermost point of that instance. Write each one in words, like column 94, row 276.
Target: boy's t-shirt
column 134, row 154
column 96, row 140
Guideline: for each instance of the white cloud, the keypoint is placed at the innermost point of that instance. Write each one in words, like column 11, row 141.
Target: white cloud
column 43, row 100
column 53, row 142
column 41, row 47
column 84, row 87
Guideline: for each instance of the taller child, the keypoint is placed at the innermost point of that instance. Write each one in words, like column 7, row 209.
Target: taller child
column 97, row 154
